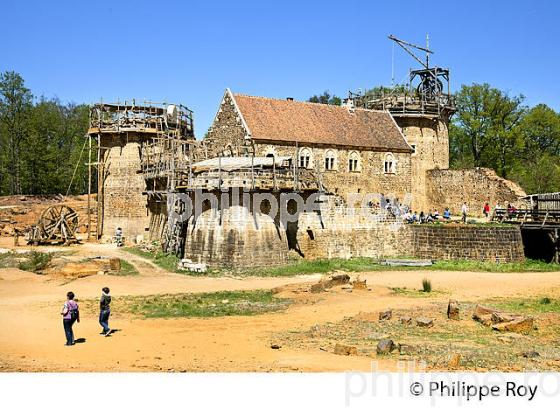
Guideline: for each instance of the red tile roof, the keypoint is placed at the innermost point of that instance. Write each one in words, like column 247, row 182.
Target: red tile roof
column 312, row 123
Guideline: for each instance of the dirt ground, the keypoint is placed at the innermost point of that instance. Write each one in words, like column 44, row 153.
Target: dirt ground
column 33, row 340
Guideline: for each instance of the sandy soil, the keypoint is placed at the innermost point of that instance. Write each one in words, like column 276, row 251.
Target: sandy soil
column 33, row 338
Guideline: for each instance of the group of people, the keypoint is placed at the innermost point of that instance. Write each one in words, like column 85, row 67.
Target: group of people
column 421, row 218
column 71, row 314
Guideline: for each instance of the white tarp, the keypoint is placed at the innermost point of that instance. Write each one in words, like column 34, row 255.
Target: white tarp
column 228, row 164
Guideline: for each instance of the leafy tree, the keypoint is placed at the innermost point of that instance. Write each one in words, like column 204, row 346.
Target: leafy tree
column 494, row 130
column 384, row 90
column 15, row 104
column 326, row 98
column 40, row 143
column 485, row 128
column 541, row 131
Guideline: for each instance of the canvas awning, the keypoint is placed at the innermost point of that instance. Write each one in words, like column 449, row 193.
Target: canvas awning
column 229, row 164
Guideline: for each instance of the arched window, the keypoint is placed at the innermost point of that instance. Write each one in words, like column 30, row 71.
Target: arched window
column 305, row 158
column 354, row 162
column 389, row 164
column 330, row 160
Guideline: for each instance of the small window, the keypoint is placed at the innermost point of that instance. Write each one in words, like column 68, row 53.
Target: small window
column 389, row 166
column 413, row 146
column 354, row 162
column 329, row 160
column 304, row 158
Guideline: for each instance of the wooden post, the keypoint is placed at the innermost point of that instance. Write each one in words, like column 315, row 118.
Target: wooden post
column 89, row 191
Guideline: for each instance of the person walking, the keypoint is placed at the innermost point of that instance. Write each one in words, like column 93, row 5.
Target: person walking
column 464, row 211
column 486, row 210
column 105, row 311
column 70, row 314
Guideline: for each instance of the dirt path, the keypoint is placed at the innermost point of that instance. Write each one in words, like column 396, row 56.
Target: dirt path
column 29, row 306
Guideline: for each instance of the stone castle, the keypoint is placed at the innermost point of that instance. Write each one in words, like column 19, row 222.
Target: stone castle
column 148, row 156
column 401, row 153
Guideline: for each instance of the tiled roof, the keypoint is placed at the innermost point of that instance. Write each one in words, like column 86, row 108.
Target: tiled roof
column 312, row 123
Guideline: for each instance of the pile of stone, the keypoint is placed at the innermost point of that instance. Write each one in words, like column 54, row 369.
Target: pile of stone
column 6, row 226
column 503, row 322
column 189, row 265
column 338, row 279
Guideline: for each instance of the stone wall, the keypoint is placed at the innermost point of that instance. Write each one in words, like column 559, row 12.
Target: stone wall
column 234, row 236
column 227, row 135
column 493, row 244
column 124, row 205
column 450, row 188
column 429, row 137
column 368, row 179
column 326, row 238
column 338, row 231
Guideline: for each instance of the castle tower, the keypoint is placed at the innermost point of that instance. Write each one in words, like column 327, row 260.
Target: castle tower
column 428, row 135
column 132, row 141
column 422, row 111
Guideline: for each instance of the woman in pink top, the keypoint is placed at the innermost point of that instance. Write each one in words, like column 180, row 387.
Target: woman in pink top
column 70, row 314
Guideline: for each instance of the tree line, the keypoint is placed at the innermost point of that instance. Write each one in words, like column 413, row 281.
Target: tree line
column 496, row 130
column 41, row 141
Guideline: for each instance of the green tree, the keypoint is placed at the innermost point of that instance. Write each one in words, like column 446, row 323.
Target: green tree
column 537, row 167
column 40, row 143
column 541, row 131
column 485, row 130
column 326, row 98
column 15, row 104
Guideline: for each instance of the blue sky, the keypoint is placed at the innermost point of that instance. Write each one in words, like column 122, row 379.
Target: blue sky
column 190, row 51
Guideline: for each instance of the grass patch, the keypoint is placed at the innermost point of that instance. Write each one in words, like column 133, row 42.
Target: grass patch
column 215, row 304
column 416, row 293
column 8, row 260
column 159, row 258
column 35, row 261
column 530, row 265
column 303, row 267
column 526, row 305
column 30, row 261
column 370, row 264
column 127, row 269
column 306, row 267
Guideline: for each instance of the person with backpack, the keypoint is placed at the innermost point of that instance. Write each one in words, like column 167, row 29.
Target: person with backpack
column 105, row 311
column 70, row 314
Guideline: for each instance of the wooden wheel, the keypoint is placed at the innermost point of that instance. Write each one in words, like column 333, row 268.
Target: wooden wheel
column 58, row 222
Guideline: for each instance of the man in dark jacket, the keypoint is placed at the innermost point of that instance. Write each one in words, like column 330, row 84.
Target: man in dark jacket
column 105, row 311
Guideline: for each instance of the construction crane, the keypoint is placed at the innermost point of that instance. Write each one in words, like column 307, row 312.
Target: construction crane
column 431, row 85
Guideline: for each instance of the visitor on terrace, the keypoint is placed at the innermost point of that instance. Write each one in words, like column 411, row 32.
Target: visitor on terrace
column 447, row 214
column 486, row 210
column 464, row 212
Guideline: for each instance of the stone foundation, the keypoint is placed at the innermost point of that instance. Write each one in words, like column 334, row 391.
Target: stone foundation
column 338, row 236
column 235, row 237
column 492, row 244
